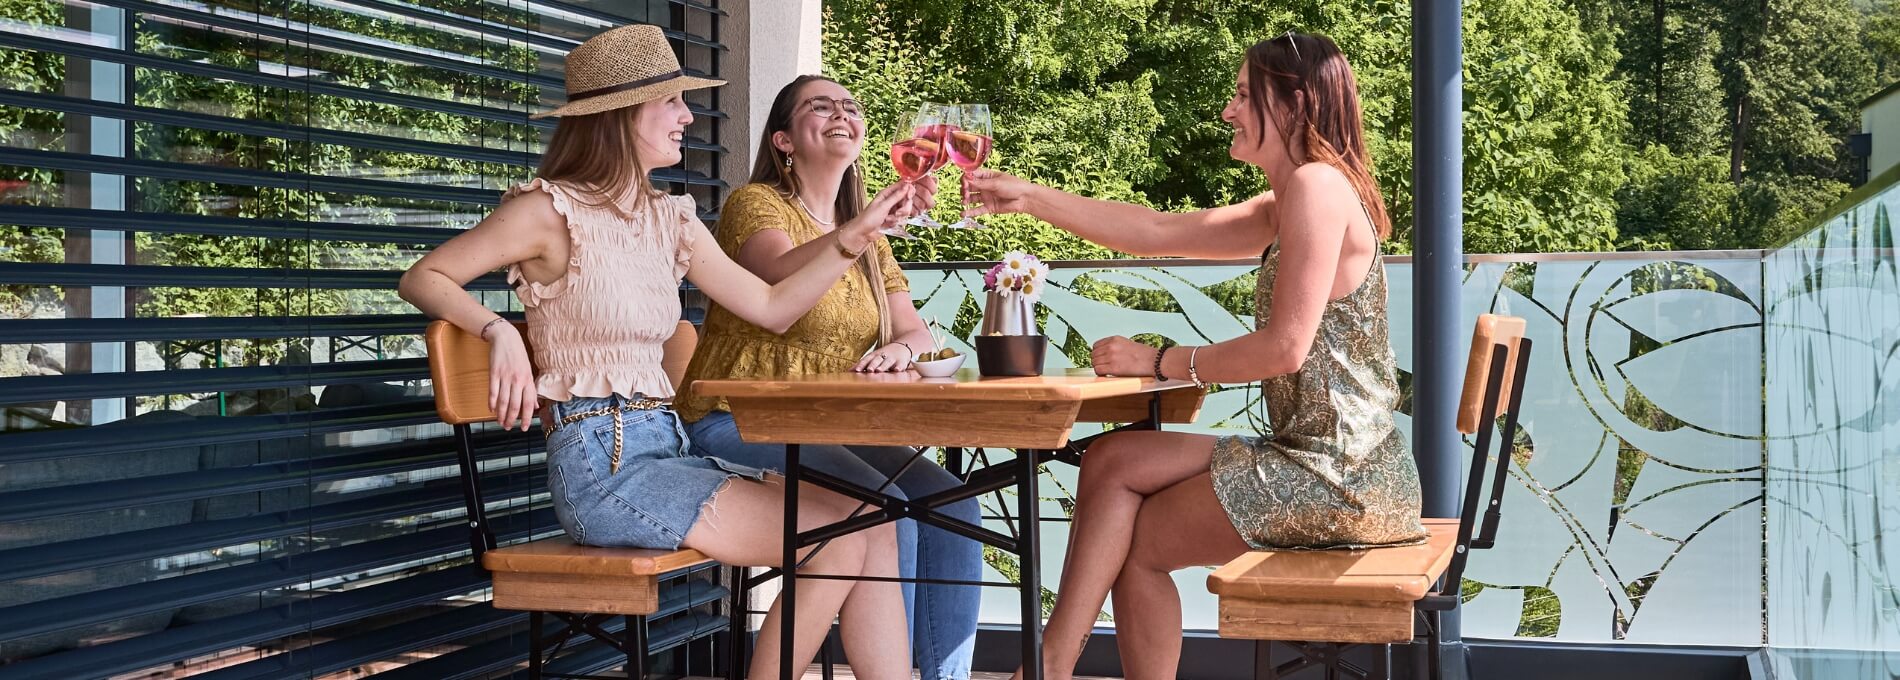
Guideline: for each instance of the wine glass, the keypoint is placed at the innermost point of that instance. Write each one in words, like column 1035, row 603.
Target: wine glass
column 912, row 155
column 934, row 122
column 969, row 146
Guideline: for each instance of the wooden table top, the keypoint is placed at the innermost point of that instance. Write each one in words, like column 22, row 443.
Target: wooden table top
column 905, row 409
column 965, row 385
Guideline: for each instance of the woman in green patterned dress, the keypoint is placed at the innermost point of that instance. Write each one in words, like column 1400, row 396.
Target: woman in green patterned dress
column 1332, row 471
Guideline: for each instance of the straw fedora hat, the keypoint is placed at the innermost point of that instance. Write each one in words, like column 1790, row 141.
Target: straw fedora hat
column 623, row 67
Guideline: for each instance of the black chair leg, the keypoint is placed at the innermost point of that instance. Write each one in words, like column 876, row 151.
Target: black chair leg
column 1263, row 660
column 1437, row 672
column 636, row 637
column 736, row 634
column 824, row 658
column 536, row 666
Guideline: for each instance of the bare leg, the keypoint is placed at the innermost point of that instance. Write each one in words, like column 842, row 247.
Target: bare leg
column 1183, row 526
column 872, row 624
column 1117, row 473
column 743, row 526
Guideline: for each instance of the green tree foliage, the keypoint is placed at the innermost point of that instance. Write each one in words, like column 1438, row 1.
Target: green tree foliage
column 1590, row 124
column 1766, row 90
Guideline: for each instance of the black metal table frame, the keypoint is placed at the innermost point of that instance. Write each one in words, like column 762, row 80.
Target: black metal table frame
column 1021, row 473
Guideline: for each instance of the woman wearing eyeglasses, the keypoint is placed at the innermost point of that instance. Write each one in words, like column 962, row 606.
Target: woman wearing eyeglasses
column 1333, row 471
column 805, row 181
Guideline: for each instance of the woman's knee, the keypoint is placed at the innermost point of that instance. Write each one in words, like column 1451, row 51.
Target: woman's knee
column 1107, row 460
column 1146, row 553
column 926, row 477
column 968, row 510
column 844, row 555
column 882, row 539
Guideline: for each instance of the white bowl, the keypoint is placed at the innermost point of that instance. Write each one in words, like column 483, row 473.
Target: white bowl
column 941, row 368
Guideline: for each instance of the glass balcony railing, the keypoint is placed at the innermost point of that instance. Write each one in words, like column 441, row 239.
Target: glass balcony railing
column 1711, row 444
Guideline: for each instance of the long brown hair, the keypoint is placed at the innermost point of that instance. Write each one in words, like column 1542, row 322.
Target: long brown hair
column 595, row 153
column 1330, row 122
column 771, row 169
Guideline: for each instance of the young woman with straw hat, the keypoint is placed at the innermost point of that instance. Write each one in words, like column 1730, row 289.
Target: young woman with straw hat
column 596, row 255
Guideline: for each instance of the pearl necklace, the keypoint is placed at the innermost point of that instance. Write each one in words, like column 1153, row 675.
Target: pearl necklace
column 801, row 206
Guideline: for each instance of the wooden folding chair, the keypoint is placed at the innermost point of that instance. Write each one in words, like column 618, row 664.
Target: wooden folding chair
column 1324, row 602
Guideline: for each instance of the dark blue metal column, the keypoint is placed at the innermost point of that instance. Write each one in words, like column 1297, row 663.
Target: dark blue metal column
column 1438, row 249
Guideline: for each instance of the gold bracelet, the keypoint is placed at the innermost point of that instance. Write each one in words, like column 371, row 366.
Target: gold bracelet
column 846, row 251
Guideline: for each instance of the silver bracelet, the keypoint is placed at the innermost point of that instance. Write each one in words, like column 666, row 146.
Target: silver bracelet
column 1193, row 374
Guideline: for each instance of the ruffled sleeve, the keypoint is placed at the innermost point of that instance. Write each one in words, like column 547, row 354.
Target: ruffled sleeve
column 687, row 228
column 751, row 209
column 530, row 292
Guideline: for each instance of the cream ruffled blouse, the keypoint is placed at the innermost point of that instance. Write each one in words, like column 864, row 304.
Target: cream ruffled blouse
column 598, row 330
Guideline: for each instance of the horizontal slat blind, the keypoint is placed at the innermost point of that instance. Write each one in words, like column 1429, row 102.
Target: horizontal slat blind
column 218, row 449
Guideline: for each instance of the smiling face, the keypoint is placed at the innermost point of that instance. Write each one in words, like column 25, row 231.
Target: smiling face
column 1257, row 137
column 659, row 126
column 814, row 137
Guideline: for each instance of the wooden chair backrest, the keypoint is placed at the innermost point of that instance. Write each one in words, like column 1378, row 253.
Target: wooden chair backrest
column 1491, row 331
column 458, row 364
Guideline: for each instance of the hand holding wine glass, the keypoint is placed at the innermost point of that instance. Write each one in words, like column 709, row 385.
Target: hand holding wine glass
column 882, row 215
column 914, row 153
column 1002, row 192
column 933, row 122
column 969, row 145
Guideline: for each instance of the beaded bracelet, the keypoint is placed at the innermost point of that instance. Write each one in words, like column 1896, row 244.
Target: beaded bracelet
column 483, row 334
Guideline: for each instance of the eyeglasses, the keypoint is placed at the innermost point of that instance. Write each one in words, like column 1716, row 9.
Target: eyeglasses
column 1293, row 44
column 830, row 108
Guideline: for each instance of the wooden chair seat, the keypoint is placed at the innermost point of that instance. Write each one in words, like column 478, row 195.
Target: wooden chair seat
column 556, row 574
column 1324, row 602
column 1361, row 596
column 578, row 586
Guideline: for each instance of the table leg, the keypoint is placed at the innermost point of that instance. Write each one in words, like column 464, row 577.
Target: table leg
column 789, row 569
column 1029, row 558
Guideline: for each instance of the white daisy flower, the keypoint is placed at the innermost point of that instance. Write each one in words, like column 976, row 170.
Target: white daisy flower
column 1016, row 263
column 1038, row 272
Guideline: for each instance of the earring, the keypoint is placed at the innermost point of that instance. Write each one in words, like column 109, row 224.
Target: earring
column 788, row 160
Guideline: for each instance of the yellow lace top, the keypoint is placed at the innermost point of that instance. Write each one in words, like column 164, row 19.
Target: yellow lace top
column 829, row 339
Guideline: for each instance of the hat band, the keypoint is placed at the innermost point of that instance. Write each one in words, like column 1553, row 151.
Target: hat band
column 629, row 85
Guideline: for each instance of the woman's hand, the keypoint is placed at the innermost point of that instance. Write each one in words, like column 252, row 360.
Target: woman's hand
column 891, row 357
column 1120, row 356
column 923, row 197
column 997, row 193
column 882, row 211
column 511, row 391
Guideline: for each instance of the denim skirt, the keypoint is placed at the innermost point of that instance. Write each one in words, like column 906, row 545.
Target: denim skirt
column 655, row 495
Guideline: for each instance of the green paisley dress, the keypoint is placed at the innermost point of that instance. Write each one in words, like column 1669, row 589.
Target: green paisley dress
column 1332, row 471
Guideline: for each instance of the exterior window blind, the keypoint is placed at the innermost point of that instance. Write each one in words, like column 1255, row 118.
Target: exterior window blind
column 218, row 450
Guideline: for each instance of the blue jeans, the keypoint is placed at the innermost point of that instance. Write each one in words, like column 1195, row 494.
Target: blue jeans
column 655, row 495
column 943, row 617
